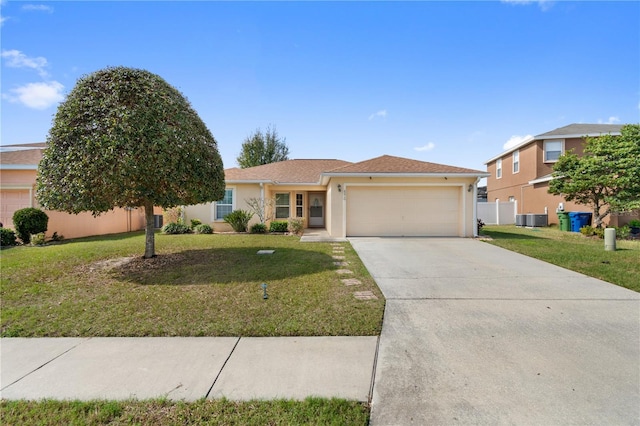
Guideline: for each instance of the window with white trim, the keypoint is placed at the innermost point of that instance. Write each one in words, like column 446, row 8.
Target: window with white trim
column 498, row 168
column 282, row 205
column 299, row 205
column 552, row 150
column 516, row 161
column 225, row 206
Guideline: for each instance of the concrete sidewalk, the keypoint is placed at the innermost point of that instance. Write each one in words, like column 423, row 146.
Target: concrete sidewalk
column 187, row 368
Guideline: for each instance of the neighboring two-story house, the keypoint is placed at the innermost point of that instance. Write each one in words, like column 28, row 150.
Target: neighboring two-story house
column 522, row 173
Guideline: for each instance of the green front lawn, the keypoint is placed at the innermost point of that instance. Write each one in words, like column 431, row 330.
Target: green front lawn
column 199, row 285
column 573, row 251
column 312, row 411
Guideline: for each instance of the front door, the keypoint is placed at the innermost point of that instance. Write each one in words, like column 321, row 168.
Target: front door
column 316, row 210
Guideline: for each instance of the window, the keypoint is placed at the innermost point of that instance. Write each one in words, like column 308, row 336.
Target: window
column 282, row 205
column 516, row 161
column 299, row 205
column 224, row 206
column 498, row 168
column 552, row 150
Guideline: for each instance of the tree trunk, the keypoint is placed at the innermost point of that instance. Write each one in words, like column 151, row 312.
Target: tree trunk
column 150, row 242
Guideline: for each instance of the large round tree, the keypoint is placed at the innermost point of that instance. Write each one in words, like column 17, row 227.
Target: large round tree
column 126, row 138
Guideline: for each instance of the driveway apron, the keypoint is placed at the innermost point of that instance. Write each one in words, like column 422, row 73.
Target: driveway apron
column 475, row 334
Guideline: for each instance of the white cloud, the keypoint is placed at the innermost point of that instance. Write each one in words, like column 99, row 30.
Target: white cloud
column 382, row 114
column 543, row 4
column 37, row 8
column 427, row 147
column 17, row 59
column 516, row 140
column 37, row 95
column 611, row 120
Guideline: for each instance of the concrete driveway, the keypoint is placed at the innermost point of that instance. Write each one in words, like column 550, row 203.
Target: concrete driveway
column 475, row 334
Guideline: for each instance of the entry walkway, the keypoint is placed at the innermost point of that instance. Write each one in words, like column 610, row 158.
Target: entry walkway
column 187, row 368
column 318, row 235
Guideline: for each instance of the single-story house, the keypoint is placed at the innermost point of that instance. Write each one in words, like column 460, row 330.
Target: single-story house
column 18, row 171
column 383, row 196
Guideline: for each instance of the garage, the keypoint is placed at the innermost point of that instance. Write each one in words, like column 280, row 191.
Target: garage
column 10, row 201
column 403, row 211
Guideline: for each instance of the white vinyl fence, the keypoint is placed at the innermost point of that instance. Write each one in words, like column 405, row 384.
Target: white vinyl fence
column 498, row 213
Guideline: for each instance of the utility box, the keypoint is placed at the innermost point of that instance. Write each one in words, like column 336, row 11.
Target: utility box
column 521, row 220
column 537, row 220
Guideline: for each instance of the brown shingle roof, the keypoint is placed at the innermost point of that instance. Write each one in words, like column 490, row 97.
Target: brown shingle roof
column 289, row 171
column 390, row 164
column 24, row 157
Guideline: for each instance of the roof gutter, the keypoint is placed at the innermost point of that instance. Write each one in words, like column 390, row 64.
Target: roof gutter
column 18, row 167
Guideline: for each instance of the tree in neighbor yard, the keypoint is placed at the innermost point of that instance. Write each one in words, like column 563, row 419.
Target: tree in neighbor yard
column 259, row 149
column 124, row 137
column 606, row 177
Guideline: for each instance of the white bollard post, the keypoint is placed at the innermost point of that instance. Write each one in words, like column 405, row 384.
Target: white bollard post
column 610, row 239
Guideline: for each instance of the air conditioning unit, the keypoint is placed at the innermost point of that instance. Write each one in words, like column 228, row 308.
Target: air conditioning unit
column 537, row 220
column 521, row 220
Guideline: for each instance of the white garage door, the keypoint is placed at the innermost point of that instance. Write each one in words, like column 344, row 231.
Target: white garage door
column 404, row 211
column 10, row 201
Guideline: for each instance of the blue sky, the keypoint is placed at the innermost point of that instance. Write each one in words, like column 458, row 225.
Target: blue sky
column 446, row 82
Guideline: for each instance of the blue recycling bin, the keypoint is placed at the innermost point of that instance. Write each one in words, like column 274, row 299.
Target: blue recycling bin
column 579, row 219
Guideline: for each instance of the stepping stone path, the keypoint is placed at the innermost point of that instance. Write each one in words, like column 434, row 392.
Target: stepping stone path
column 343, row 271
column 338, row 257
column 351, row 281
column 266, row 251
column 341, row 263
column 365, row 295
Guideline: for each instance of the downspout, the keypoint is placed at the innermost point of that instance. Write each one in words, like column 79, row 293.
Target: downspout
column 264, row 213
column 521, row 206
column 475, row 208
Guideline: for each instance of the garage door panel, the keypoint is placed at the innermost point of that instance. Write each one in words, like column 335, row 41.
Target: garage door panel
column 12, row 200
column 402, row 211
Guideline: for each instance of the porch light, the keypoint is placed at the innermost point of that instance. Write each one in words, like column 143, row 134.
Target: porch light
column 470, row 188
column 339, row 188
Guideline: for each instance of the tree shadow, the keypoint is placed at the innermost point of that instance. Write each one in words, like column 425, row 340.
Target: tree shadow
column 498, row 235
column 222, row 266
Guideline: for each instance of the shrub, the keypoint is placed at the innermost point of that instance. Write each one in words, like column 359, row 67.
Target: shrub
column 56, row 237
column 480, row 225
column 176, row 228
column 623, row 232
column 203, row 228
column 195, row 223
column 239, row 220
column 587, row 231
column 259, row 228
column 29, row 221
column 296, row 226
column 38, row 239
column 590, row 231
column 279, row 226
column 7, row 237
column 634, row 223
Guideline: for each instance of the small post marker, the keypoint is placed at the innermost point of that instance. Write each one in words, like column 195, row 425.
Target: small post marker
column 264, row 289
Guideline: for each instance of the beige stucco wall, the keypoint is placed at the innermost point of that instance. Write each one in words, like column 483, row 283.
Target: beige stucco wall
column 206, row 212
column 335, row 200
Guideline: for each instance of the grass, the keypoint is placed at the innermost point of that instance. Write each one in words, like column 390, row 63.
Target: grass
column 573, row 251
column 312, row 411
column 199, row 285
